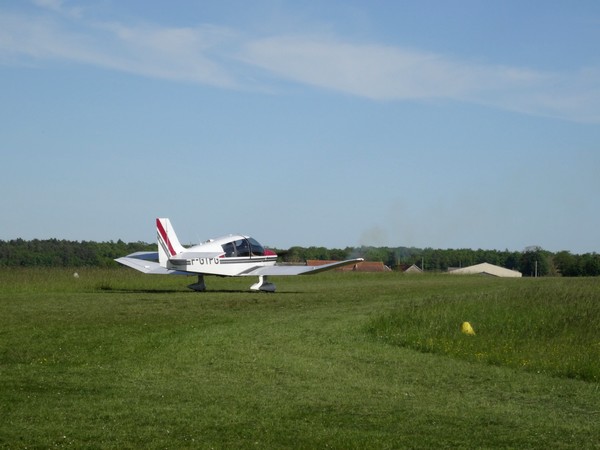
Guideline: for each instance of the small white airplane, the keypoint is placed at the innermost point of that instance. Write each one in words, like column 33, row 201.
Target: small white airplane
column 229, row 256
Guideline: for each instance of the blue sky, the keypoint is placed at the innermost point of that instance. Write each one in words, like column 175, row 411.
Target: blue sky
column 445, row 124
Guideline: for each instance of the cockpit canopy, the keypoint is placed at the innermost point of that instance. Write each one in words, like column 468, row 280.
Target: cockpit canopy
column 244, row 246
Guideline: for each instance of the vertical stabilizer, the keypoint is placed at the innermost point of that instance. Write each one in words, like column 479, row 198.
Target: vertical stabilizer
column 168, row 244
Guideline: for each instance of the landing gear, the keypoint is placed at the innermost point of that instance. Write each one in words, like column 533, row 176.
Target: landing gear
column 263, row 285
column 199, row 286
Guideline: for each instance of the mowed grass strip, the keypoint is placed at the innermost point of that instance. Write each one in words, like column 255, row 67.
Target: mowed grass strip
column 114, row 359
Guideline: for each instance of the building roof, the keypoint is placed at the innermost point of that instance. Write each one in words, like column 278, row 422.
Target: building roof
column 487, row 269
column 413, row 269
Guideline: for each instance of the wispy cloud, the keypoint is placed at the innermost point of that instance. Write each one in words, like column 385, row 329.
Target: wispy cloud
column 373, row 71
column 59, row 7
column 389, row 73
column 179, row 54
column 221, row 56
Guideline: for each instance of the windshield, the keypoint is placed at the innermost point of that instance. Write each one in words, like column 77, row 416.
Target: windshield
column 243, row 247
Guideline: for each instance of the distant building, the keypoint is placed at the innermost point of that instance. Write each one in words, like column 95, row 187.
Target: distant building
column 413, row 269
column 486, row 269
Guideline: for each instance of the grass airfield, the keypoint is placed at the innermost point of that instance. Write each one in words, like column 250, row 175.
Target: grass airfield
column 117, row 359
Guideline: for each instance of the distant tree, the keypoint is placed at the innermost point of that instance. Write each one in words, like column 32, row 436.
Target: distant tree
column 512, row 260
column 380, row 254
column 320, row 253
column 535, row 261
column 567, row 264
column 338, row 254
column 591, row 264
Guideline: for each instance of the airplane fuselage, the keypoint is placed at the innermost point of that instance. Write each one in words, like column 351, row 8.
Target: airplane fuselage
column 224, row 266
column 231, row 255
column 227, row 256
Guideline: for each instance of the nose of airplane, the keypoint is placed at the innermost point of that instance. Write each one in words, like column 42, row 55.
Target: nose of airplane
column 270, row 252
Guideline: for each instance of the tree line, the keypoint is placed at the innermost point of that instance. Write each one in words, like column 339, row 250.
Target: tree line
column 530, row 262
column 62, row 253
column 533, row 261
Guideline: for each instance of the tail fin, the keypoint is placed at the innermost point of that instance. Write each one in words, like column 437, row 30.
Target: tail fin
column 168, row 244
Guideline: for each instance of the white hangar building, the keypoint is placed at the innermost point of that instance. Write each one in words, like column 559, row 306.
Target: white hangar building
column 487, row 269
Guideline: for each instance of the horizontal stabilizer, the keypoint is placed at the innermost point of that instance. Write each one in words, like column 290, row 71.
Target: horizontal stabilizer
column 301, row 270
column 146, row 262
column 146, row 256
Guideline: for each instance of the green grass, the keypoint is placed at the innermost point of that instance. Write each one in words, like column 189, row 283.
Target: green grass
column 116, row 359
column 545, row 326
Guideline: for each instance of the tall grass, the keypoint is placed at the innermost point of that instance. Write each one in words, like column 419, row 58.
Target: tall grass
column 544, row 326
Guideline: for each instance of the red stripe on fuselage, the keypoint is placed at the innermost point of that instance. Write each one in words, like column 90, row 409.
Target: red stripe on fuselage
column 165, row 237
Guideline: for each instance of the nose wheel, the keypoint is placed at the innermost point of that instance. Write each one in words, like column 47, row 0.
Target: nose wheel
column 263, row 285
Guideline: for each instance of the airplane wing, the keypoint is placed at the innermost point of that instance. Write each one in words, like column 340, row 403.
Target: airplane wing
column 300, row 270
column 147, row 262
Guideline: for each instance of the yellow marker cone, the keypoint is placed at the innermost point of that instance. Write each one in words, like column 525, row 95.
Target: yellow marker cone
column 466, row 328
